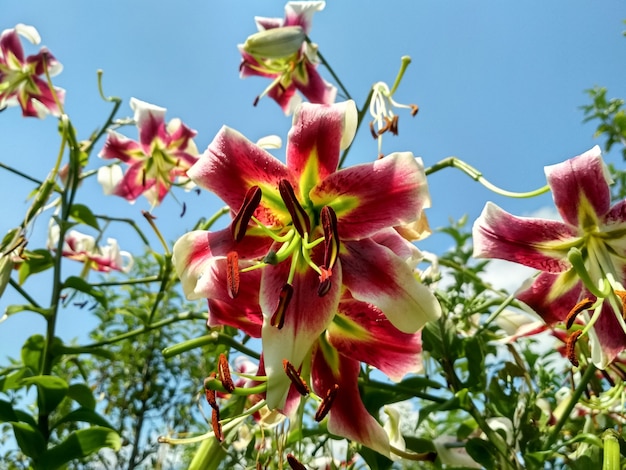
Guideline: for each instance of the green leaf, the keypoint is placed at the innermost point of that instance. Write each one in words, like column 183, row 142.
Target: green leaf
column 29, row 439
column 32, row 352
column 34, row 262
column 82, row 213
column 13, row 309
column 481, row 451
column 82, row 394
column 8, row 414
column 80, row 444
column 78, row 283
column 52, row 390
column 84, row 415
column 14, row 379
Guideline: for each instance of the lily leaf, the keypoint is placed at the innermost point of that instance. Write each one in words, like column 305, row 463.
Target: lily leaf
column 82, row 213
column 52, row 390
column 80, row 444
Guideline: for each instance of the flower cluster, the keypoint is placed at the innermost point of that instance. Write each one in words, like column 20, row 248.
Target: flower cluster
column 280, row 51
column 581, row 259
column 21, row 81
column 158, row 160
column 312, row 263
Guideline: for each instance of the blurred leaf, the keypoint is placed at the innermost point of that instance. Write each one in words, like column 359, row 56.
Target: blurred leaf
column 482, row 452
column 13, row 309
column 80, row 444
column 82, row 394
column 82, row 213
column 85, row 415
column 34, row 262
column 29, row 439
column 13, row 380
column 52, row 390
column 32, row 353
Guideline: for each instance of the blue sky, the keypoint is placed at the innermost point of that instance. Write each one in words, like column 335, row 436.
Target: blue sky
column 499, row 85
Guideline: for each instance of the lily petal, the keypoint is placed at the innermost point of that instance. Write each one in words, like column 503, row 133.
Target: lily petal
column 538, row 243
column 317, row 136
column 362, row 332
column 374, row 274
column 580, row 187
column 306, row 317
column 150, row 121
column 371, row 196
column 232, row 164
column 348, row 416
column 551, row 296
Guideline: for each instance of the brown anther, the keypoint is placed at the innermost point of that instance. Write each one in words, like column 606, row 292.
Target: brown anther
column 224, row 373
column 570, row 347
column 327, row 402
column 210, row 394
column 325, row 282
column 580, row 307
column 373, row 131
column 331, row 236
column 295, row 463
column 256, row 101
column 386, row 127
column 251, row 201
column 278, row 318
column 414, row 109
column 394, row 125
column 297, row 381
column 299, row 217
column 217, row 426
column 232, row 274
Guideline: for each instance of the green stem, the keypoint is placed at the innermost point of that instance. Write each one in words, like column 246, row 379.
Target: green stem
column 209, row 223
column 323, row 61
column 130, row 222
column 23, row 293
column 143, row 280
column 19, row 173
column 362, row 112
column 477, row 176
column 399, row 389
column 131, row 334
column 582, row 385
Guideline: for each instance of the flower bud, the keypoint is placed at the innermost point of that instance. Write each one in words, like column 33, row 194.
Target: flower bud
column 275, row 43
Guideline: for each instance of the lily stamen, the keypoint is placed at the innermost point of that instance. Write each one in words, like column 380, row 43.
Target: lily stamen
column 299, row 217
column 295, row 463
column 580, row 307
column 224, row 373
column 278, row 318
column 295, row 377
column 209, row 393
column 251, row 201
column 331, row 236
column 570, row 347
column 327, row 402
column 232, row 274
column 217, row 426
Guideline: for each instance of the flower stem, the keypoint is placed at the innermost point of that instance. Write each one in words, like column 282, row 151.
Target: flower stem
column 344, row 90
column 478, row 176
column 582, row 385
column 362, row 112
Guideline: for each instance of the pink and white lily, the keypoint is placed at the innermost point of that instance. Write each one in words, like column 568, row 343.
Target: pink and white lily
column 22, row 78
column 311, row 262
column 159, row 160
column 582, row 258
column 82, row 247
column 280, row 51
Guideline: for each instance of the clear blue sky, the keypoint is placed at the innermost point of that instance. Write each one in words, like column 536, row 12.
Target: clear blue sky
column 499, row 84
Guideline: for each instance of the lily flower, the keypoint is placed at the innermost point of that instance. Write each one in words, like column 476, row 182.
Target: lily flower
column 21, row 81
column 581, row 259
column 82, row 247
column 281, row 52
column 312, row 263
column 159, row 160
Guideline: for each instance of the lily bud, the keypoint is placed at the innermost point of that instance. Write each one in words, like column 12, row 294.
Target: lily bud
column 275, row 43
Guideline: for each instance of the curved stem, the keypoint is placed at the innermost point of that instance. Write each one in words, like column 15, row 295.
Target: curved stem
column 360, row 118
column 478, row 176
column 582, row 385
